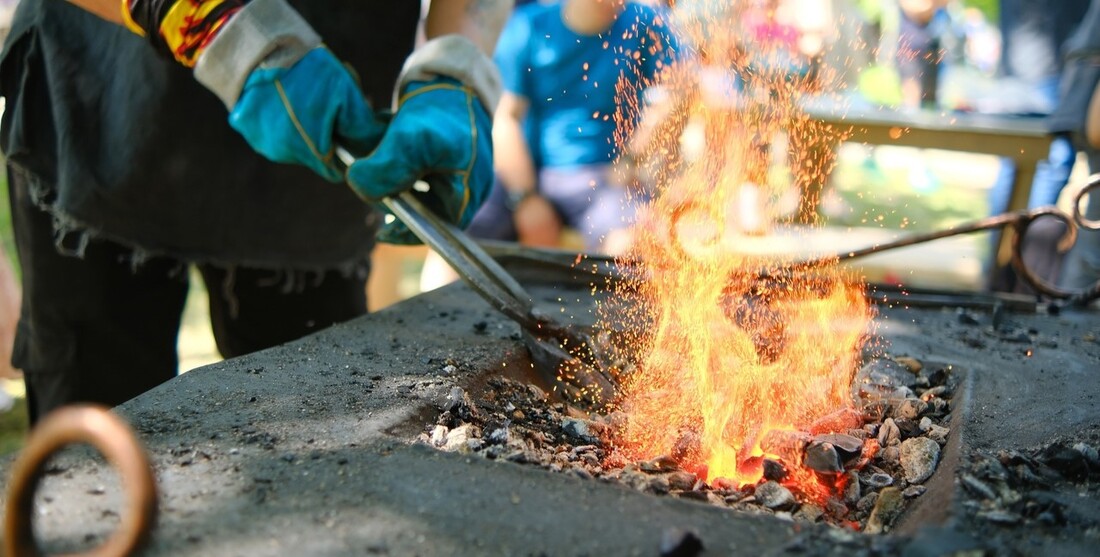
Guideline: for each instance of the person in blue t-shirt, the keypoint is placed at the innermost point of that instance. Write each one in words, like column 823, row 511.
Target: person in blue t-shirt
column 570, row 70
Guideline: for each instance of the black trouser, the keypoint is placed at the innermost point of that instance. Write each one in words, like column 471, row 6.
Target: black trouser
column 97, row 329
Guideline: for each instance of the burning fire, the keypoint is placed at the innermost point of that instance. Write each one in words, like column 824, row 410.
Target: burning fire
column 738, row 355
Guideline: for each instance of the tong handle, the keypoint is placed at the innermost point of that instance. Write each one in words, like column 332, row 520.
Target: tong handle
column 480, row 271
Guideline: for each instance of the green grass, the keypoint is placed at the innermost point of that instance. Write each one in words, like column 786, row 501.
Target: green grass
column 13, row 427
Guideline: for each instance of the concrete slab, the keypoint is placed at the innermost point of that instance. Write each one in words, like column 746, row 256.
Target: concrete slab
column 305, row 449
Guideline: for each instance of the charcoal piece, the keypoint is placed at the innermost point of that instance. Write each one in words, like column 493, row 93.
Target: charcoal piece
column 676, row 542
column 1069, row 462
column 688, row 446
column 822, row 458
column 788, row 445
column 1090, row 453
column 908, row 428
column 977, row 487
column 774, row 470
column 836, row 422
column 938, row 377
column 846, row 446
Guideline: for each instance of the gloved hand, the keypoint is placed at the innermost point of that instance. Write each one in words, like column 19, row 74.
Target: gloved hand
column 287, row 95
column 299, row 114
column 440, row 133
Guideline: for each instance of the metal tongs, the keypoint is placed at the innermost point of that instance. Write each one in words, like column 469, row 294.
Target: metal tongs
column 564, row 355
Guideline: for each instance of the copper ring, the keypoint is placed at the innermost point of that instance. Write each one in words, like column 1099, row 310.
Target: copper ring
column 111, row 436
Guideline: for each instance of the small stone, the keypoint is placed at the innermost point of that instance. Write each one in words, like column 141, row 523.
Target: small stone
column 887, row 509
column 908, row 428
column 681, row 480
column 914, row 491
column 879, row 379
column 536, row 392
column 888, row 434
column 1089, row 452
column 890, row 455
column 823, row 458
column 910, row 409
column 1000, row 517
column 852, row 492
column 500, row 436
column 458, row 438
column 919, row 457
column 438, row 436
column 578, row 429
column 809, row 513
column 867, row 502
column 912, row 364
column 875, row 410
column 966, row 318
column 518, row 415
column 687, row 446
column 933, row 393
column 938, row 434
column 663, row 463
column 676, row 542
column 774, row 496
column 659, row 484
column 879, row 480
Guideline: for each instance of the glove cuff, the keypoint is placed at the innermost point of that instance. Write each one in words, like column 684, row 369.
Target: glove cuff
column 457, row 57
column 267, row 33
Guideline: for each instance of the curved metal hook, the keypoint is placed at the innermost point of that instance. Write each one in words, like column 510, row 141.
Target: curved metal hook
column 105, row 431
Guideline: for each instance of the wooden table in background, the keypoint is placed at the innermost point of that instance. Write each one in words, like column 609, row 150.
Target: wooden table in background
column 1025, row 140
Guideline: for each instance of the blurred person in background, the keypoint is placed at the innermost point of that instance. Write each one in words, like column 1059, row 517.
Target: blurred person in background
column 1081, row 96
column 571, row 71
column 918, row 53
column 1034, row 37
column 123, row 169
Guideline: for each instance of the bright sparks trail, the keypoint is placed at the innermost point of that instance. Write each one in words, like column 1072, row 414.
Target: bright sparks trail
column 724, row 357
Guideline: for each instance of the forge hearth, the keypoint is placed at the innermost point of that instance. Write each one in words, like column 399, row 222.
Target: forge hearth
column 864, row 465
column 311, row 448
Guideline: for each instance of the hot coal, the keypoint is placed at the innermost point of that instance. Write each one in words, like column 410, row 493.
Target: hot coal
column 872, row 458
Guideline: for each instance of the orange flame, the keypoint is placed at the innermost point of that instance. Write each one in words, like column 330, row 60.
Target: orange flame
column 733, row 348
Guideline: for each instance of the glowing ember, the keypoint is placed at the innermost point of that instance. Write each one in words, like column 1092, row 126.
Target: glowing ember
column 727, row 360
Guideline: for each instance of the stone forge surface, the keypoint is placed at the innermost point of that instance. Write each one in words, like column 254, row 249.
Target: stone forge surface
column 305, row 449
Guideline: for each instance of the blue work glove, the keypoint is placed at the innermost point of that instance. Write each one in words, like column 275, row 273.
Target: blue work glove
column 440, row 133
column 301, row 113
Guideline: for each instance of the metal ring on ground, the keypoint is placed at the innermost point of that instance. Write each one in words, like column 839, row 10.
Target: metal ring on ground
column 109, row 434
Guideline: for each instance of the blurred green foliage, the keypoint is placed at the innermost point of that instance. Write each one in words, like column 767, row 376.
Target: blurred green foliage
column 990, row 8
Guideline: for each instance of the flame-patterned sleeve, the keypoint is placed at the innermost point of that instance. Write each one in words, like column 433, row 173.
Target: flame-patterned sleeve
column 181, row 28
